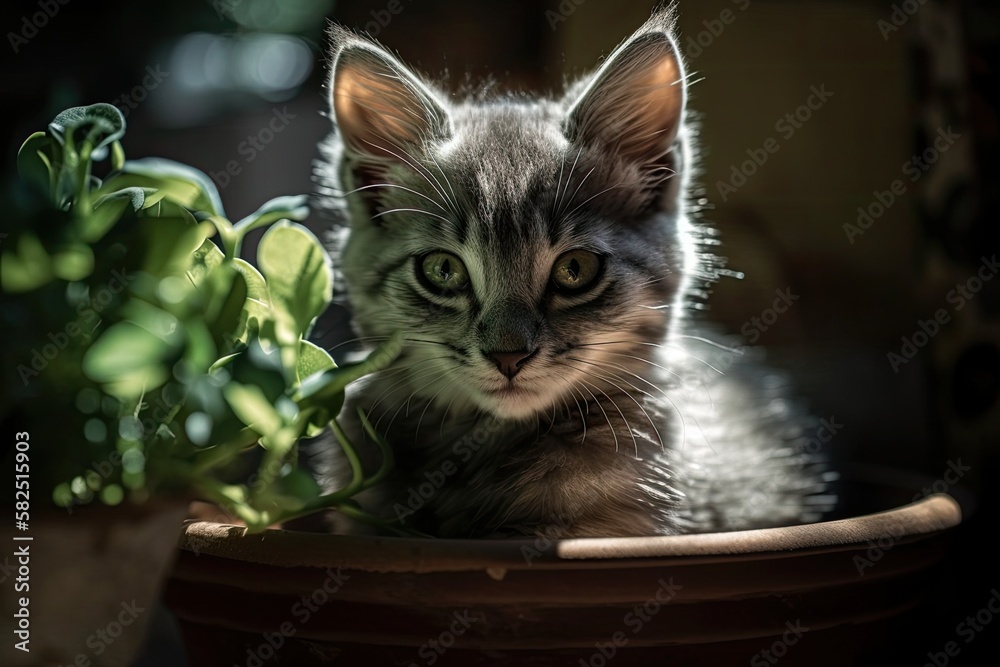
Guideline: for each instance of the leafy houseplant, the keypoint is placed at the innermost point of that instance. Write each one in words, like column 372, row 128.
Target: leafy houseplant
column 160, row 356
column 142, row 361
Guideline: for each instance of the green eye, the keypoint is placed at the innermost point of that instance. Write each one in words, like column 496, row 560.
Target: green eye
column 444, row 272
column 576, row 270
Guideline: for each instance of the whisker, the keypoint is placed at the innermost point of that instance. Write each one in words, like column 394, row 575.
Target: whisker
column 666, row 396
column 396, row 370
column 430, row 401
column 435, row 378
column 555, row 202
column 680, row 378
column 398, row 187
column 405, row 404
column 453, row 202
column 569, row 179
column 412, row 162
column 635, row 443
column 638, row 405
column 629, row 343
column 552, row 422
column 412, row 210
column 439, row 188
column 444, row 417
column 356, row 340
column 379, row 338
column 575, row 192
column 688, row 354
column 396, row 384
column 635, row 375
column 589, row 199
column 583, row 419
column 651, row 281
column 597, row 402
column 734, row 350
column 703, row 435
column 428, row 342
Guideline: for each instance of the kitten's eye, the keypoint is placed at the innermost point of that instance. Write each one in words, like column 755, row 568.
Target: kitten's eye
column 576, row 270
column 443, row 272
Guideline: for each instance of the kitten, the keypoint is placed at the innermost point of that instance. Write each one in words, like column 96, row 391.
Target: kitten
column 542, row 257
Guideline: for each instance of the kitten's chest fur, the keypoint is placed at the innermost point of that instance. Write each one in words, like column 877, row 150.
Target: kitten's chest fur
column 700, row 451
column 485, row 477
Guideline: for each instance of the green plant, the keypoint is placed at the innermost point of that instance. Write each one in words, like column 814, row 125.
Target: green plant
column 146, row 357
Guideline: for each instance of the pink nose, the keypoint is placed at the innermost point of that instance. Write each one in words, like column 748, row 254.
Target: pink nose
column 509, row 363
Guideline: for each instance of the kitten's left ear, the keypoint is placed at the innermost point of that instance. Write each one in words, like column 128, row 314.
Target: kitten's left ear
column 634, row 104
column 381, row 108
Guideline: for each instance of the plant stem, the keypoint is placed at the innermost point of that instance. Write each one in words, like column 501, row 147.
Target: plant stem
column 357, row 472
column 388, row 460
column 219, row 455
column 214, row 490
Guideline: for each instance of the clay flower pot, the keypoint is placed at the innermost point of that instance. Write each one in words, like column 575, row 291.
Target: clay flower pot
column 817, row 594
column 92, row 579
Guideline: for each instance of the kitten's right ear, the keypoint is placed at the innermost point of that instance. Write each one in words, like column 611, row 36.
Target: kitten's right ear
column 383, row 111
column 634, row 104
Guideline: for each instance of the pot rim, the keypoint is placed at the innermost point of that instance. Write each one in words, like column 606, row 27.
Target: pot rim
column 284, row 548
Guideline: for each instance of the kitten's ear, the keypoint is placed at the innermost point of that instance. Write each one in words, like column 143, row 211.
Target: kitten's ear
column 382, row 109
column 634, row 104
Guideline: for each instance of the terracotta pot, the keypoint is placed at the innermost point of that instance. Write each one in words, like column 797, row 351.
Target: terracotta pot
column 93, row 579
column 812, row 595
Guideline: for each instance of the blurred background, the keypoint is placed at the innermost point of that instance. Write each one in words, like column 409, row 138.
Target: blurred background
column 848, row 159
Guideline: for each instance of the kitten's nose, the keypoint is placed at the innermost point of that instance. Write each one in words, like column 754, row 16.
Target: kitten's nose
column 509, row 363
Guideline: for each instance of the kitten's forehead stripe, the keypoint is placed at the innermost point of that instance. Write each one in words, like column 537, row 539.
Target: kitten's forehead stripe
column 504, row 146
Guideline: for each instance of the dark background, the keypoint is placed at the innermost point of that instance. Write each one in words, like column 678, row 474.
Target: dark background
column 228, row 68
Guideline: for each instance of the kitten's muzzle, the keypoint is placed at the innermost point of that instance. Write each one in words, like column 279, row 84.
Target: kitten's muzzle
column 510, row 363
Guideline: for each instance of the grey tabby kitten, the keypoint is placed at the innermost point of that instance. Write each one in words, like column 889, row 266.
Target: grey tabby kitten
column 541, row 257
